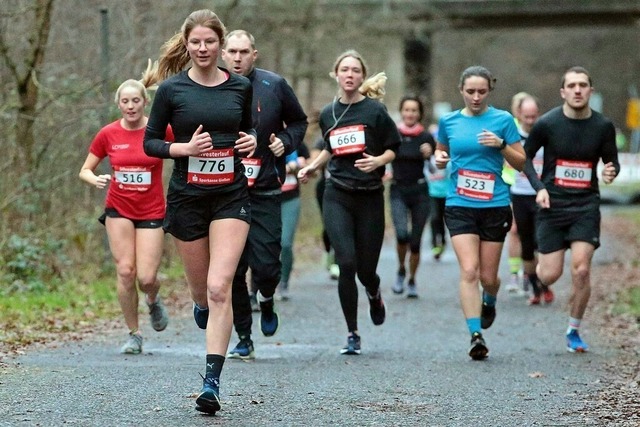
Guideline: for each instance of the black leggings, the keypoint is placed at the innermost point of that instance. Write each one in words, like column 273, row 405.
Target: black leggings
column 524, row 212
column 409, row 201
column 354, row 221
column 319, row 196
column 438, row 232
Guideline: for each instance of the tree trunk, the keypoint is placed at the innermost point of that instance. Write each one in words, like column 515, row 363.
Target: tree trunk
column 27, row 83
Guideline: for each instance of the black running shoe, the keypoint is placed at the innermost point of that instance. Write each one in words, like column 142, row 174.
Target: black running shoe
column 377, row 310
column 208, row 401
column 201, row 316
column 488, row 316
column 478, row 349
column 353, row 345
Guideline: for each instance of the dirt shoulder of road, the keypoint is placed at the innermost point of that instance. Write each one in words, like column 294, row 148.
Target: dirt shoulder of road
column 618, row 400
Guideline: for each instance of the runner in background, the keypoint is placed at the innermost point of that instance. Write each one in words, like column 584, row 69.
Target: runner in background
column 290, row 215
column 438, row 186
column 409, row 191
column 134, row 209
column 280, row 124
column 514, row 249
column 329, row 258
column 523, row 201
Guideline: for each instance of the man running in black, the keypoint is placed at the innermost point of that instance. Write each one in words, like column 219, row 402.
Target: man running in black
column 281, row 125
column 574, row 138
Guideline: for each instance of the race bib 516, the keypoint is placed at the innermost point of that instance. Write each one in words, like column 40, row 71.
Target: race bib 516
column 134, row 178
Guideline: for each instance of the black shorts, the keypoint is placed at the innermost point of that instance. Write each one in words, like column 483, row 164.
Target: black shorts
column 491, row 224
column 556, row 229
column 137, row 223
column 188, row 216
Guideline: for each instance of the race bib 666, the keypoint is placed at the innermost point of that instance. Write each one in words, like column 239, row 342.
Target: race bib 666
column 347, row 140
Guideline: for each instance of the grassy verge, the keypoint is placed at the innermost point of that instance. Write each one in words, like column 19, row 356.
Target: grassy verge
column 30, row 317
column 77, row 305
column 73, row 308
column 628, row 301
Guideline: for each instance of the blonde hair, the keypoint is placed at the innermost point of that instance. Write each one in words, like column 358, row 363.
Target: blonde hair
column 372, row 87
column 516, row 101
column 174, row 56
column 135, row 84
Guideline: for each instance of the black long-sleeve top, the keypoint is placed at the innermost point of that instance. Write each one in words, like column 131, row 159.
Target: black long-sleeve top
column 275, row 110
column 567, row 141
column 222, row 110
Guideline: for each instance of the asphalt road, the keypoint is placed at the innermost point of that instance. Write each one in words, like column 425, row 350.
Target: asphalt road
column 414, row 370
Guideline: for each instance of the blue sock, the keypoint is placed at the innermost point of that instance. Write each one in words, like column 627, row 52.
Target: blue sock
column 473, row 324
column 488, row 299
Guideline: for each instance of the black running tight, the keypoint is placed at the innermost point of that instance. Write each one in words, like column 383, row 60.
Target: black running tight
column 355, row 224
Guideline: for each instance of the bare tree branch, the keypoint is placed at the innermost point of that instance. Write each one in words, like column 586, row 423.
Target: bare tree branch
column 39, row 37
column 4, row 53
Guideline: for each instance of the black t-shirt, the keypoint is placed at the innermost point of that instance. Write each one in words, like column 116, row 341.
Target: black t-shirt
column 222, row 110
column 408, row 166
column 572, row 150
column 348, row 131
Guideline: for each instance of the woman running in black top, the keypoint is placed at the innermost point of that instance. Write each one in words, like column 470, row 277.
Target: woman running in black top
column 208, row 209
column 360, row 139
column 409, row 192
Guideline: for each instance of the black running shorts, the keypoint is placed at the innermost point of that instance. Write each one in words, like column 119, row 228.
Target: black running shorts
column 188, row 216
column 491, row 224
column 556, row 229
column 137, row 223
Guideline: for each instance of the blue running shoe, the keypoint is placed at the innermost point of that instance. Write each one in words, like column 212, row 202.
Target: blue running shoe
column 208, row 401
column 243, row 350
column 353, row 345
column 201, row 316
column 269, row 319
column 412, row 291
column 575, row 343
column 398, row 286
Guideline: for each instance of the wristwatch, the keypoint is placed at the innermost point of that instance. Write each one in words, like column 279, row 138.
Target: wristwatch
column 503, row 145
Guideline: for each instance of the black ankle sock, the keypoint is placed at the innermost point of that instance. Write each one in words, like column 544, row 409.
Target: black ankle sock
column 535, row 283
column 214, row 366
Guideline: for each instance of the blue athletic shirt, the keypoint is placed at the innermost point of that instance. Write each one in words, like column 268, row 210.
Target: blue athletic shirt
column 477, row 165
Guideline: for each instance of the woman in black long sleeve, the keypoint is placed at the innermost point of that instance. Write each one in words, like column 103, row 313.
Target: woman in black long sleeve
column 360, row 139
column 208, row 209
